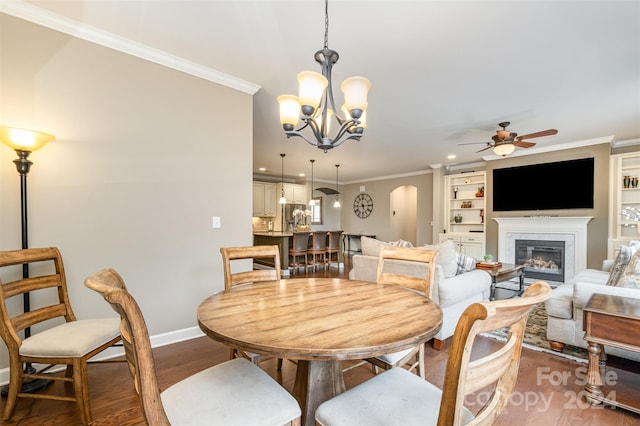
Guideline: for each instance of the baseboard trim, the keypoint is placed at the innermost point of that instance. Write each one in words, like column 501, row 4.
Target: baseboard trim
column 114, row 352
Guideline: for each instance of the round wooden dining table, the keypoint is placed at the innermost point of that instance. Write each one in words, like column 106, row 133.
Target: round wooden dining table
column 319, row 322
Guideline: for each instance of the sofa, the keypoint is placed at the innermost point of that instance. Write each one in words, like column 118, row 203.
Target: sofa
column 564, row 307
column 457, row 283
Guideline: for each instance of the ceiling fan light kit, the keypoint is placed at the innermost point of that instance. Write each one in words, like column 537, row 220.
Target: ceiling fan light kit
column 315, row 106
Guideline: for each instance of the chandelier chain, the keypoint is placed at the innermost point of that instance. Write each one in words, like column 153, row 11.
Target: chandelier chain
column 326, row 24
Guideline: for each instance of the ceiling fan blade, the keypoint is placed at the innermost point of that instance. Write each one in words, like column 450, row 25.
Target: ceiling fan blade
column 523, row 144
column 473, row 143
column 538, row 134
column 485, row 148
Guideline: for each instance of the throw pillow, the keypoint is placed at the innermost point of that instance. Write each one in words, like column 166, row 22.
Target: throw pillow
column 465, row 263
column 621, row 261
column 630, row 278
column 446, row 257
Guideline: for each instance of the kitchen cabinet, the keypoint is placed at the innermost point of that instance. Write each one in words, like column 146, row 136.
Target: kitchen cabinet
column 469, row 245
column 294, row 193
column 264, row 199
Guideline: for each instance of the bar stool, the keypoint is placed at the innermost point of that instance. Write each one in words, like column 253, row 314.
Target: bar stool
column 299, row 248
column 318, row 249
column 334, row 247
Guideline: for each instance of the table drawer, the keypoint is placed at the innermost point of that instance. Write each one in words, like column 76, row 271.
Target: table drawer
column 604, row 328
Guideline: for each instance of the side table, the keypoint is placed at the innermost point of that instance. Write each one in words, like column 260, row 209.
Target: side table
column 612, row 321
column 504, row 272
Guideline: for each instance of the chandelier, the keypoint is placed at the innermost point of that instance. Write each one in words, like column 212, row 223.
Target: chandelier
column 315, row 106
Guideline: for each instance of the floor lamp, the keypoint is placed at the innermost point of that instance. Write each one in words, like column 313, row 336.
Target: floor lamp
column 24, row 142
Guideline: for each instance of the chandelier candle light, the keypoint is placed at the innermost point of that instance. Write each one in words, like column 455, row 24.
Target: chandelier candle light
column 315, row 105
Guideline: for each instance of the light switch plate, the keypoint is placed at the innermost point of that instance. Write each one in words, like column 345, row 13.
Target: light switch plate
column 216, row 223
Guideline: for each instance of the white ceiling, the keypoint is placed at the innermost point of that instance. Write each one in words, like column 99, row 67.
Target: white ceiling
column 443, row 72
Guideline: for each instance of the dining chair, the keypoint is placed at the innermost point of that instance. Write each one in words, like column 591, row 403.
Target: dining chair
column 232, row 254
column 333, row 247
column 299, row 249
column 413, row 358
column 318, row 249
column 399, row 397
column 233, row 392
column 72, row 342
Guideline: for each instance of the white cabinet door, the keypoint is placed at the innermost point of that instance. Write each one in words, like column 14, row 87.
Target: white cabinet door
column 258, row 199
column 270, row 202
column 294, row 193
column 472, row 246
column 300, row 194
column 264, row 199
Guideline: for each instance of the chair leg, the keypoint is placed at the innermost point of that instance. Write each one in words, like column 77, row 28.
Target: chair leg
column 421, row 361
column 232, row 353
column 15, row 384
column 438, row 344
column 81, row 387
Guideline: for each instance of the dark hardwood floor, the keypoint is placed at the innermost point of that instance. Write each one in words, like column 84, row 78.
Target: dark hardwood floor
column 549, row 388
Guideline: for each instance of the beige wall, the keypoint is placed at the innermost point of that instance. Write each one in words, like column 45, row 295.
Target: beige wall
column 378, row 222
column 142, row 161
column 597, row 227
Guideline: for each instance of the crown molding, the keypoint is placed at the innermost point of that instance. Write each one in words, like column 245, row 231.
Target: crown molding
column 86, row 32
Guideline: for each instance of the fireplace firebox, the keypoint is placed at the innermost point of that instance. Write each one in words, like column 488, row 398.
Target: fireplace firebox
column 542, row 259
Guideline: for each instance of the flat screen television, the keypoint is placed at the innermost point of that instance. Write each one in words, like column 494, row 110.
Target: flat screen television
column 547, row 186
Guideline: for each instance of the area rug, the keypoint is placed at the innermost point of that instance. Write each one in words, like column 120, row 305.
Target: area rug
column 535, row 336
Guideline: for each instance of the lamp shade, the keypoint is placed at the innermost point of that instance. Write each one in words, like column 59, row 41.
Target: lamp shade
column 311, row 88
column 24, row 140
column 504, row 149
column 355, row 91
column 289, row 109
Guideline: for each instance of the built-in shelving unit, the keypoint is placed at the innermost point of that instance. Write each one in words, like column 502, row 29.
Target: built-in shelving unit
column 624, row 195
column 464, row 212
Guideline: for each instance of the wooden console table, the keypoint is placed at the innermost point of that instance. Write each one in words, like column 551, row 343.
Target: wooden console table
column 613, row 321
column 347, row 237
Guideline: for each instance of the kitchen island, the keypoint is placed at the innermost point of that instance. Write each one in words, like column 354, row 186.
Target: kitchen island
column 279, row 238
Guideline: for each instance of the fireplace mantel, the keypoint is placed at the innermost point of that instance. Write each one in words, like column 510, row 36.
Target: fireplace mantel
column 571, row 229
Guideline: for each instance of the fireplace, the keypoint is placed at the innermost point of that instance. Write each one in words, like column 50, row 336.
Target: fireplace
column 571, row 230
column 542, row 259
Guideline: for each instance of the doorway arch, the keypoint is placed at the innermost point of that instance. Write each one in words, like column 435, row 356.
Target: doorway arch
column 403, row 213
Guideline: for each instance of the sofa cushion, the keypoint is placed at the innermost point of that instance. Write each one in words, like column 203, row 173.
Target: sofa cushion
column 446, row 257
column 560, row 304
column 371, row 246
column 460, row 287
column 621, row 261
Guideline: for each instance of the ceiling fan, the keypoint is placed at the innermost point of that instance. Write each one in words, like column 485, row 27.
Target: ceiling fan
column 505, row 141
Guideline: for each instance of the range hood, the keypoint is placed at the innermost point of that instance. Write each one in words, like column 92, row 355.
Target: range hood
column 327, row 191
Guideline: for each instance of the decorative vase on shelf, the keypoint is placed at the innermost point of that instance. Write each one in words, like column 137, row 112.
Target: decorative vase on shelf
column 480, row 193
column 626, row 181
column 634, row 181
column 457, row 218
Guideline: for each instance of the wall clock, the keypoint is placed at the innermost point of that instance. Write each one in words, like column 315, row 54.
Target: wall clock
column 363, row 205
